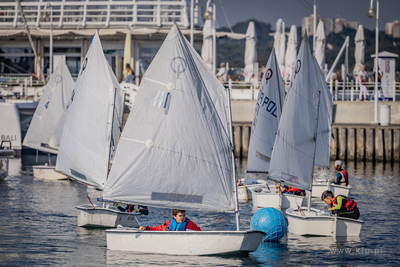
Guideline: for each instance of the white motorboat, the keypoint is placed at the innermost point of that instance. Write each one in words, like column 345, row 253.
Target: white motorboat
column 47, row 172
column 11, row 127
column 185, row 242
column 264, row 197
column 108, row 216
column 319, row 223
column 90, row 136
column 176, row 151
column 5, row 154
column 44, row 132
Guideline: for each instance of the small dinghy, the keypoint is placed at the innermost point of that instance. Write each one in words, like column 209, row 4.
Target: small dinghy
column 266, row 120
column 176, row 151
column 321, row 223
column 307, row 221
column 90, row 136
column 44, row 133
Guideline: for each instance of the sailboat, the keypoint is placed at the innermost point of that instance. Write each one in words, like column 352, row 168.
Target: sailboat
column 176, row 151
column 322, row 157
column 294, row 153
column 90, row 136
column 44, row 131
column 267, row 115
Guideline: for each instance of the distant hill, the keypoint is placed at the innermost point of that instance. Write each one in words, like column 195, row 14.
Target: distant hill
column 232, row 51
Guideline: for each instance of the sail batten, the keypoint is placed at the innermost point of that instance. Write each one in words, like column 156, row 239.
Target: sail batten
column 174, row 151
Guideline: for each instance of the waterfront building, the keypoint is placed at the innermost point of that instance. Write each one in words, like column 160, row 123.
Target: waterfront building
column 74, row 23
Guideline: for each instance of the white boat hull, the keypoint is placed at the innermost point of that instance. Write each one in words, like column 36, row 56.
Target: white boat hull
column 184, row 242
column 319, row 188
column 249, row 184
column 319, row 225
column 5, row 155
column 97, row 216
column 47, row 172
column 263, row 198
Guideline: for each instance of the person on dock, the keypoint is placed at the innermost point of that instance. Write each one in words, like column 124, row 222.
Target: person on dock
column 291, row 190
column 363, row 79
column 222, row 73
column 342, row 177
column 341, row 205
column 178, row 223
column 131, row 208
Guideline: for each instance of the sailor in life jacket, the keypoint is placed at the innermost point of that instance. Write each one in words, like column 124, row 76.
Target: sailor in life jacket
column 342, row 177
column 178, row 223
column 341, row 205
column 291, row 190
column 131, row 209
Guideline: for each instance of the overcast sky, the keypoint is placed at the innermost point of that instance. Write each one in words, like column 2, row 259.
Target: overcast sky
column 292, row 11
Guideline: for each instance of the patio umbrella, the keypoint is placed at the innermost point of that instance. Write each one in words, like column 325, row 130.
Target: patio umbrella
column 127, row 49
column 291, row 52
column 320, row 42
column 207, row 48
column 280, row 43
column 360, row 49
column 250, row 53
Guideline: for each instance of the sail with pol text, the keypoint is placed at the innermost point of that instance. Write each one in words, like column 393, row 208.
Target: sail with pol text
column 266, row 117
column 175, row 150
column 91, row 131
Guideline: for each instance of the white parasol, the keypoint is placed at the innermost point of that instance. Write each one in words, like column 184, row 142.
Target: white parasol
column 320, row 42
column 250, row 54
column 280, row 43
column 207, row 48
column 360, row 49
column 291, row 52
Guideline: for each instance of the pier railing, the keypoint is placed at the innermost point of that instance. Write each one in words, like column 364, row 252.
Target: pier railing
column 350, row 92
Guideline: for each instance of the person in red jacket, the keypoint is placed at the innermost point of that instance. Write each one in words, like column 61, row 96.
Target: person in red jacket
column 291, row 190
column 178, row 223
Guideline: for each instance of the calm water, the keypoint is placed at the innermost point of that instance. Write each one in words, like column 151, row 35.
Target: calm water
column 38, row 226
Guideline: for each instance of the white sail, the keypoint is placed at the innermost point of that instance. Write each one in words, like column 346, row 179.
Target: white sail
column 293, row 154
column 87, row 142
column 266, row 117
column 175, row 151
column 322, row 153
column 56, row 96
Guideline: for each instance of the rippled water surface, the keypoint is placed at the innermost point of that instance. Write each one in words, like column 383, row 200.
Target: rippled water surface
column 38, row 226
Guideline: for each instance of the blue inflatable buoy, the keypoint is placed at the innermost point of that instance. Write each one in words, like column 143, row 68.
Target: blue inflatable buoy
column 271, row 221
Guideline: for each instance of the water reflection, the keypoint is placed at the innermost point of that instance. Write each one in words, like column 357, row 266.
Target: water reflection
column 123, row 258
column 38, row 225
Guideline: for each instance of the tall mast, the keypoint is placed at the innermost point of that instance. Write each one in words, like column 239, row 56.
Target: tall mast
column 315, row 147
column 112, row 111
column 233, row 160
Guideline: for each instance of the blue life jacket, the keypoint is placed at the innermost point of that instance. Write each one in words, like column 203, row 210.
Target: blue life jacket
column 173, row 226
